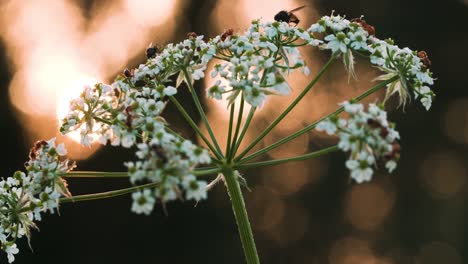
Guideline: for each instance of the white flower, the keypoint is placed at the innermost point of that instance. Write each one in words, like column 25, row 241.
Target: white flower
column 219, row 69
column 427, row 102
column 216, row 91
column 317, row 27
column 426, row 96
column 198, row 73
column 61, row 149
column 254, row 96
column 337, row 23
column 128, row 139
column 390, row 165
column 166, row 193
column 424, row 77
column 143, row 202
column 337, row 42
column 242, row 44
column 352, row 108
column 327, row 126
column 358, row 40
column 11, row 250
column 170, row 91
column 271, row 31
column 194, row 189
column 360, row 170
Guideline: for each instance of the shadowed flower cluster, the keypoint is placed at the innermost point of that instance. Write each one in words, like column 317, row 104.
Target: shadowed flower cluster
column 367, row 136
column 24, row 196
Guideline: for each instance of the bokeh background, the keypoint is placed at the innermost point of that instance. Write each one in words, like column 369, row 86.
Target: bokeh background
column 307, row 212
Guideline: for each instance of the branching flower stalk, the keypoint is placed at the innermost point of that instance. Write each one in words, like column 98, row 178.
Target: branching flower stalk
column 248, row 68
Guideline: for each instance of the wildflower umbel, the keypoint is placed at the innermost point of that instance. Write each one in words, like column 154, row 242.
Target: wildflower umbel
column 367, row 136
column 251, row 65
column 265, row 49
column 25, row 196
column 346, row 38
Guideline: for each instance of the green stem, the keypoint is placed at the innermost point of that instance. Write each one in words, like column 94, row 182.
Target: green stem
column 229, row 137
column 194, row 126
column 240, row 213
column 290, row 107
column 200, row 110
column 244, row 130
column 236, row 133
column 104, row 174
column 103, row 195
column 314, row 124
column 97, row 196
column 107, row 122
column 95, row 174
column 285, row 160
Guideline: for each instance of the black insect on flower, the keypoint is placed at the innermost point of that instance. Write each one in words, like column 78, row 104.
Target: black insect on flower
column 288, row 16
column 151, row 51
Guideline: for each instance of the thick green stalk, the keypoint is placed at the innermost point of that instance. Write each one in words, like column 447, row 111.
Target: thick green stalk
column 314, row 124
column 289, row 108
column 240, row 213
column 200, row 110
column 194, row 126
column 286, row 160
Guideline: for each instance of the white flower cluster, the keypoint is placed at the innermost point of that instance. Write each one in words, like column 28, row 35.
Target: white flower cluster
column 127, row 113
column 23, row 197
column 192, row 55
column 132, row 104
column 168, row 160
column 343, row 37
column 367, row 136
column 104, row 113
column 256, row 61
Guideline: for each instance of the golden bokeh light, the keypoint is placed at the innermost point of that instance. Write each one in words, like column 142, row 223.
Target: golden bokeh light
column 266, row 208
column 297, row 146
column 367, row 205
column 290, row 178
column 293, row 226
column 351, row 250
column 53, row 48
column 443, row 174
column 245, row 11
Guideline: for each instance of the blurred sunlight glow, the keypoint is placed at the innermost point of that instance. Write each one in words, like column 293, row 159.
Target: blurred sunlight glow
column 55, row 48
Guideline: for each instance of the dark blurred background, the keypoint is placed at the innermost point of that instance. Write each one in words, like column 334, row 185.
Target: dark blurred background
column 308, row 212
